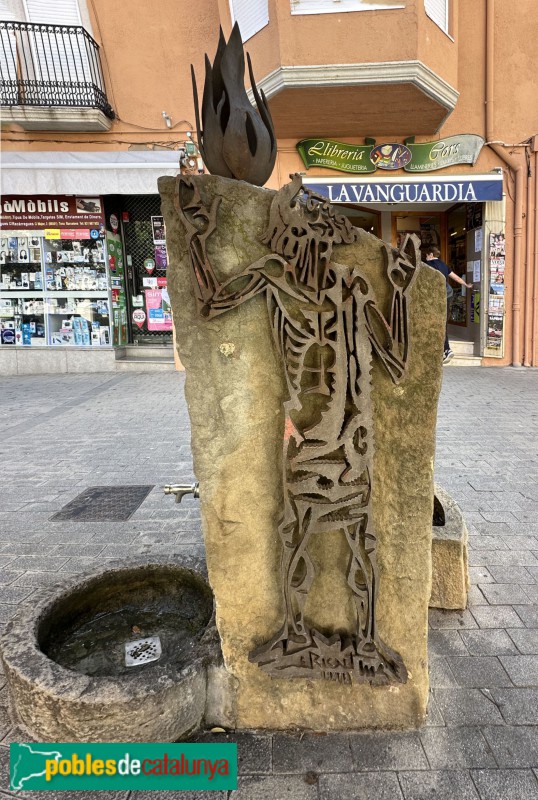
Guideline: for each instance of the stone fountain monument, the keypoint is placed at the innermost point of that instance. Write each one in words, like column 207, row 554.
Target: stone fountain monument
column 313, row 368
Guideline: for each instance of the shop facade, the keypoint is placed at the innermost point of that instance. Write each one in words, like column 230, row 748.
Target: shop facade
column 82, row 276
column 452, row 194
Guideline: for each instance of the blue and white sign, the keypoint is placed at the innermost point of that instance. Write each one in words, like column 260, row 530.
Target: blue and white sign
column 455, row 189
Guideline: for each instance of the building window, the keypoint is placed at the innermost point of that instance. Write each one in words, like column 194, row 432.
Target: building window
column 437, row 10
column 252, row 16
column 338, row 6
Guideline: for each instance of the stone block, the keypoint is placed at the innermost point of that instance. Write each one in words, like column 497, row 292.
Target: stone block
column 450, row 572
column 235, row 389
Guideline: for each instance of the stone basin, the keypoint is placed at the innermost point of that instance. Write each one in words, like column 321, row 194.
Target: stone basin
column 64, row 654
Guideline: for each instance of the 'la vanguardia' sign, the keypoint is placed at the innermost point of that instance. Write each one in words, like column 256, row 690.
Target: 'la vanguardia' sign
column 366, row 158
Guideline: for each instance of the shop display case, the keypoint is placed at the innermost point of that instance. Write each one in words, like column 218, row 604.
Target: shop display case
column 54, row 292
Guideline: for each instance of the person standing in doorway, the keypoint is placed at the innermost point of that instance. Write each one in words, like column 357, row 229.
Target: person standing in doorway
column 433, row 260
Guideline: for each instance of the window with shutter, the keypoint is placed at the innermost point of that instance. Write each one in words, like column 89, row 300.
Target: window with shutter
column 60, row 58
column 252, row 16
column 339, row 6
column 437, row 10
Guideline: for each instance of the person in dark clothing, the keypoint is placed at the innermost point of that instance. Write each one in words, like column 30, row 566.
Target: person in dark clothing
column 433, row 260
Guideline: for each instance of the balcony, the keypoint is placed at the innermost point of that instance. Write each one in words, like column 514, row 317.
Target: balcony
column 51, row 78
column 363, row 73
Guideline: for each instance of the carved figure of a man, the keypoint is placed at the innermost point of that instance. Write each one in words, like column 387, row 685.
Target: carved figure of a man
column 327, row 327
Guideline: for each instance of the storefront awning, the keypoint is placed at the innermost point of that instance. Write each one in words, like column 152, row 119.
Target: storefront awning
column 86, row 173
column 447, row 189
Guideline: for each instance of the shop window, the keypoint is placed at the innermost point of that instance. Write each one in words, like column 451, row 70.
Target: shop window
column 339, row 6
column 252, row 16
column 53, row 292
column 438, row 11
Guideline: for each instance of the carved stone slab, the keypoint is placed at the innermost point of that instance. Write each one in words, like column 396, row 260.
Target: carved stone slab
column 320, row 561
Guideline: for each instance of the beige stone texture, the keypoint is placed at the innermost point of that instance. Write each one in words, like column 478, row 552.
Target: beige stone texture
column 450, row 571
column 235, row 390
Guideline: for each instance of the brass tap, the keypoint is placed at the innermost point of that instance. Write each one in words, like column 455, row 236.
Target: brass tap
column 181, row 489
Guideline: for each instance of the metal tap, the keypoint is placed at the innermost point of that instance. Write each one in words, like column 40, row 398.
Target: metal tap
column 181, row 489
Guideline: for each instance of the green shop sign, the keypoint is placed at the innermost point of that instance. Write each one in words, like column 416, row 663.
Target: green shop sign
column 367, row 158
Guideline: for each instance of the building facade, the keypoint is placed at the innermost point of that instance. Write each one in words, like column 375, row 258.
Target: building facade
column 411, row 115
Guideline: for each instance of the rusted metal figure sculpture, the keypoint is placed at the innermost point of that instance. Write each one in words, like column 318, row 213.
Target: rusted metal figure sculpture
column 234, row 140
column 327, row 327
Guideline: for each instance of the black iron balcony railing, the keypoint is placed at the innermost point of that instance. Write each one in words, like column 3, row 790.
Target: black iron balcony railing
column 50, row 65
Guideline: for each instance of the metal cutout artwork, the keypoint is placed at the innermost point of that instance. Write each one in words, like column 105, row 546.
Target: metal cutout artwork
column 234, row 140
column 327, row 327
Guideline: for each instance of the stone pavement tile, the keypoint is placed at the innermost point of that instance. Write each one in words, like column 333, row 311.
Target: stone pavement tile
column 500, row 594
column 441, row 676
column 38, row 563
column 511, row 575
column 7, row 611
column 488, row 642
column 75, row 565
column 452, row 620
column 387, row 751
column 491, row 528
column 513, row 747
column 522, row 542
column 79, row 550
column 254, row 751
column 502, row 558
column 528, row 615
column 467, row 707
column 434, row 717
column 525, row 639
column 446, row 643
column 169, row 795
column 518, row 706
column 8, row 576
column 438, row 785
column 312, row 753
column 450, row 748
column 4, row 562
column 478, row 541
column 523, row 670
column 274, row 787
column 534, row 572
column 531, row 590
column 38, row 578
column 479, row 671
column 360, row 786
column 499, row 516
column 504, row 784
column 496, row 617
column 25, row 549
column 475, row 597
column 14, row 594
column 481, row 575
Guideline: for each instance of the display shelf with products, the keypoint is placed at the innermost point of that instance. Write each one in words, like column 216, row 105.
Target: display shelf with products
column 59, row 296
column 79, row 321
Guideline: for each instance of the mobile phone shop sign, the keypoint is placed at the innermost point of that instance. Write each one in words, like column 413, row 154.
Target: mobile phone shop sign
column 367, row 158
column 112, row 766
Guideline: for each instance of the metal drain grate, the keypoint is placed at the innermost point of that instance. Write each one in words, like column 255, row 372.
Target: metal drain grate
column 102, row 503
column 142, row 651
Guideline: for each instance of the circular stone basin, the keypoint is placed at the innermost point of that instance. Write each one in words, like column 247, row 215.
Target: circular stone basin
column 66, row 656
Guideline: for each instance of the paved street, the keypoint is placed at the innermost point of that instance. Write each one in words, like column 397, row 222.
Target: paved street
column 62, row 434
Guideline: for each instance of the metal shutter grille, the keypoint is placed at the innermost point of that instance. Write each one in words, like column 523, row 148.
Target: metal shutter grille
column 437, row 10
column 252, row 16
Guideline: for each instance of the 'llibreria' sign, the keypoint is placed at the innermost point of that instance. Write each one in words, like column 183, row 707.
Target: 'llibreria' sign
column 456, row 190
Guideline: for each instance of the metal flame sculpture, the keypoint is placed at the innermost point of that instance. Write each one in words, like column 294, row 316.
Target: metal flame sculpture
column 235, row 141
